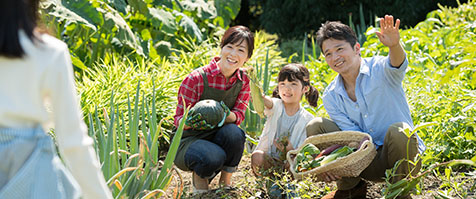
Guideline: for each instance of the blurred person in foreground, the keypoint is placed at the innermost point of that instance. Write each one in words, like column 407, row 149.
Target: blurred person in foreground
column 36, row 68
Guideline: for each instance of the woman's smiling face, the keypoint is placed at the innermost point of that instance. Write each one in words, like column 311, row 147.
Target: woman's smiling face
column 234, row 55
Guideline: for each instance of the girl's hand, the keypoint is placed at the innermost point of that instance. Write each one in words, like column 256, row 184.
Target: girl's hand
column 268, row 103
column 389, row 33
column 289, row 147
column 278, row 145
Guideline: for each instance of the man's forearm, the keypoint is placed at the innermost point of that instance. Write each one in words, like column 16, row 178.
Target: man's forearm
column 397, row 55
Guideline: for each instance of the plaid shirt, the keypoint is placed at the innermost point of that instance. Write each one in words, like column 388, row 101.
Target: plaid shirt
column 192, row 89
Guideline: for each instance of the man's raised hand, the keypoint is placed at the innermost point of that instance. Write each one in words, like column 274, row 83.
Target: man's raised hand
column 389, row 33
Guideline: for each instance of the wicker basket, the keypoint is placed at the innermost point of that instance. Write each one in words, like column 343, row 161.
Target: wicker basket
column 349, row 166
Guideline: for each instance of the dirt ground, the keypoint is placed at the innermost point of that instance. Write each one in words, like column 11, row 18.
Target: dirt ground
column 246, row 186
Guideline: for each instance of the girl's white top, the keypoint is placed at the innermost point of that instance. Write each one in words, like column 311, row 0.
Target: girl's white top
column 45, row 74
column 298, row 134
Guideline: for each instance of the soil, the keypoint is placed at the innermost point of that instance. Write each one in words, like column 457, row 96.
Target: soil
column 246, row 185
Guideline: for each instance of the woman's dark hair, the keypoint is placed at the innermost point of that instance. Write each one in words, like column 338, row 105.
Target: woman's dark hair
column 16, row 15
column 336, row 30
column 238, row 34
column 297, row 72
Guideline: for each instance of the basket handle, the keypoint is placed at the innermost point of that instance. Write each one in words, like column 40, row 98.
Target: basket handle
column 290, row 153
column 365, row 145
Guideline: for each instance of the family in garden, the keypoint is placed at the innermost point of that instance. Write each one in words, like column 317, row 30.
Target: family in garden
column 366, row 96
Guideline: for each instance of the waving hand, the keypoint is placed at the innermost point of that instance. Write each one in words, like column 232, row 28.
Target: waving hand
column 389, row 33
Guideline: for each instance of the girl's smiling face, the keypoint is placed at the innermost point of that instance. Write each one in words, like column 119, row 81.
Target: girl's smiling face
column 291, row 91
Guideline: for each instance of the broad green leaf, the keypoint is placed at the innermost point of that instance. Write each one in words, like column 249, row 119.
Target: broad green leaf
column 77, row 62
column 139, row 6
column 204, row 9
column 145, row 35
column 120, row 5
column 189, row 26
column 219, row 21
column 160, row 16
column 227, row 9
column 152, row 54
column 56, row 8
column 86, row 9
column 125, row 34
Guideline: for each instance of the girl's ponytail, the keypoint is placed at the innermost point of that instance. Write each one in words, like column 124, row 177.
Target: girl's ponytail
column 312, row 96
column 276, row 93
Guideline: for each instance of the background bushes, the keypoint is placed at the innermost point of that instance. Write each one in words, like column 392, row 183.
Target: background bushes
column 292, row 18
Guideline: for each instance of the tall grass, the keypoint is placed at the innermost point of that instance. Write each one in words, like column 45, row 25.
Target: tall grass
column 129, row 151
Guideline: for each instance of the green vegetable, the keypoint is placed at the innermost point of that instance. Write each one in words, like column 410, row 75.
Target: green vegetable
column 317, row 162
column 256, row 93
column 309, row 149
column 211, row 111
column 340, row 152
column 305, row 158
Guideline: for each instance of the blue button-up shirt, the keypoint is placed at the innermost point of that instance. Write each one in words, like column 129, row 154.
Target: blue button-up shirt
column 380, row 100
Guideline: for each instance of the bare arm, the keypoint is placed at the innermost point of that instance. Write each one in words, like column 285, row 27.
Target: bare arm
column 268, row 102
column 389, row 35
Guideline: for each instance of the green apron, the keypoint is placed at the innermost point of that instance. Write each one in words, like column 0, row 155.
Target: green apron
column 189, row 136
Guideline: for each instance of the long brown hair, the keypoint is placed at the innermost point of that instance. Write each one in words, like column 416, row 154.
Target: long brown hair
column 297, row 72
column 16, row 15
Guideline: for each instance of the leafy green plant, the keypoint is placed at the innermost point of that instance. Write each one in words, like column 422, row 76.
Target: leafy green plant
column 361, row 28
column 439, row 85
column 457, row 187
column 123, row 75
column 408, row 184
column 94, row 27
column 129, row 152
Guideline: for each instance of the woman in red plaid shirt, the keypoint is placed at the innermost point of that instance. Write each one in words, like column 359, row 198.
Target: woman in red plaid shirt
column 204, row 149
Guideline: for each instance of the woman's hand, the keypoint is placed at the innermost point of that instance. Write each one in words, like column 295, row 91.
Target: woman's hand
column 196, row 122
column 230, row 118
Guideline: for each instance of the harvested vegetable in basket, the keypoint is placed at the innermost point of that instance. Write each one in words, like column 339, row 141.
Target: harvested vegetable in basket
column 310, row 157
column 305, row 158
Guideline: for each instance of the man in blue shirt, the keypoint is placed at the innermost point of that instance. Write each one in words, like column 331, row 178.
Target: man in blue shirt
column 367, row 96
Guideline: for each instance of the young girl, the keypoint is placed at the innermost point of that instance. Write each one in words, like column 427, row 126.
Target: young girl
column 35, row 68
column 286, row 119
